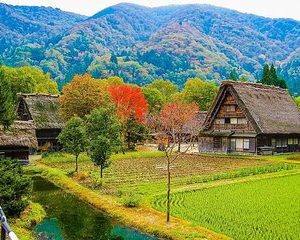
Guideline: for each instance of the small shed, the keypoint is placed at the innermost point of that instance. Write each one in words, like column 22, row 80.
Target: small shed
column 17, row 142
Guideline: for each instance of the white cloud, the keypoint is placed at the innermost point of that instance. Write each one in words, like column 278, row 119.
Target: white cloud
column 268, row 8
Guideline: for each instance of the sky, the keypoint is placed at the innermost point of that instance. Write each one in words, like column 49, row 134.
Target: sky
column 267, row 8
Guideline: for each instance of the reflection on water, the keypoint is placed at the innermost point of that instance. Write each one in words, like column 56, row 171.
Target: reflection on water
column 68, row 218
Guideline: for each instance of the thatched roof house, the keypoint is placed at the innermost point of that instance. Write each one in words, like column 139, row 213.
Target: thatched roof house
column 43, row 110
column 250, row 116
column 16, row 142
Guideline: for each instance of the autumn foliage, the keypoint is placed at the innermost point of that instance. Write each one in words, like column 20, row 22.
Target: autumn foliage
column 81, row 96
column 174, row 116
column 129, row 101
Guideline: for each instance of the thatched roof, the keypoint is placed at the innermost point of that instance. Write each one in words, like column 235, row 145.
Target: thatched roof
column 21, row 134
column 43, row 110
column 270, row 109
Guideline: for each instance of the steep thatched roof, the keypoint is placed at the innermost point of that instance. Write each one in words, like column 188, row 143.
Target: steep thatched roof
column 21, row 134
column 270, row 109
column 43, row 110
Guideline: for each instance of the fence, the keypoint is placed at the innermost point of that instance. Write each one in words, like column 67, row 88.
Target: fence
column 5, row 229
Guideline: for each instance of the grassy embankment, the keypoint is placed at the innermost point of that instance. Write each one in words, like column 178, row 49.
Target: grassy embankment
column 28, row 219
column 142, row 175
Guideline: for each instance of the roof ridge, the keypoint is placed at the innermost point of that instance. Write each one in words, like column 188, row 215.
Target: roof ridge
column 37, row 95
column 254, row 84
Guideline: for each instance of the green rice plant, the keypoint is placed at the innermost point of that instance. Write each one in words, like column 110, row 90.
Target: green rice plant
column 263, row 209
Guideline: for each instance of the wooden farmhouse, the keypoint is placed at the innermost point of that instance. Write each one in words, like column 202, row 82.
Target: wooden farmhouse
column 17, row 142
column 42, row 109
column 251, row 118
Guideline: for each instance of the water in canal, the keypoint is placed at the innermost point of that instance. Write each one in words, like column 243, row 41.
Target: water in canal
column 69, row 218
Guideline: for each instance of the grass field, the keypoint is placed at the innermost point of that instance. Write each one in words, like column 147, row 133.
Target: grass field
column 264, row 209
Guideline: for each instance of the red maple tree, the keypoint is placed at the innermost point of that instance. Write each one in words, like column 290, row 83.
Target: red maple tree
column 129, row 101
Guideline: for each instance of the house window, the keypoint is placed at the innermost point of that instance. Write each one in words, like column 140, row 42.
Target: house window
column 233, row 120
column 278, row 143
column 232, row 144
column 242, row 121
column 217, row 142
column 227, row 120
column 290, row 141
column 284, row 142
column 246, row 144
column 239, row 144
column 273, row 142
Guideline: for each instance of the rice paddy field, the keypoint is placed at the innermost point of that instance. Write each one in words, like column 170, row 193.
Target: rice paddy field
column 243, row 197
column 145, row 172
column 264, row 209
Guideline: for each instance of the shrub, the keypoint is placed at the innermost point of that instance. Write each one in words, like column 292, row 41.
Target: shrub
column 14, row 187
column 131, row 201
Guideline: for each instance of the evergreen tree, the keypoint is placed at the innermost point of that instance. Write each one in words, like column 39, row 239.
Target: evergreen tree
column 15, row 187
column 273, row 76
column 114, row 59
column 270, row 77
column 233, row 76
column 7, row 108
column 266, row 77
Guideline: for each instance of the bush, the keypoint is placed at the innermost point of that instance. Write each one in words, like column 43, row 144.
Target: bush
column 14, row 187
column 81, row 176
column 131, row 201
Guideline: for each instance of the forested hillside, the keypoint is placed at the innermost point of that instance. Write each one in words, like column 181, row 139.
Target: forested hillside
column 141, row 44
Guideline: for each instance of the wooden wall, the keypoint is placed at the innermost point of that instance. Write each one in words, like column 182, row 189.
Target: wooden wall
column 230, row 110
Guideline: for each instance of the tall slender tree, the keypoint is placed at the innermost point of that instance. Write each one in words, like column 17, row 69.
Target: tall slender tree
column 7, row 104
column 171, row 121
column 103, row 131
column 266, row 77
column 73, row 138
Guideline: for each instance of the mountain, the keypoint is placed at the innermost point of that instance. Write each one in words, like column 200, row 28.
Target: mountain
column 140, row 44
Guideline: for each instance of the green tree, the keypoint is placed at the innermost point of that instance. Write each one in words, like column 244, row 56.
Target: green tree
column 270, row 77
column 114, row 59
column 155, row 99
column 166, row 87
column 15, row 188
column 73, row 138
column 201, row 92
column 7, row 104
column 273, row 76
column 234, row 76
column 30, row 80
column 266, row 76
column 103, row 130
column 134, row 132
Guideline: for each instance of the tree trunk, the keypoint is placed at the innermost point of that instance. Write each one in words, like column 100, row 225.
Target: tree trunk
column 168, row 189
column 179, row 143
column 76, row 169
column 101, row 171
